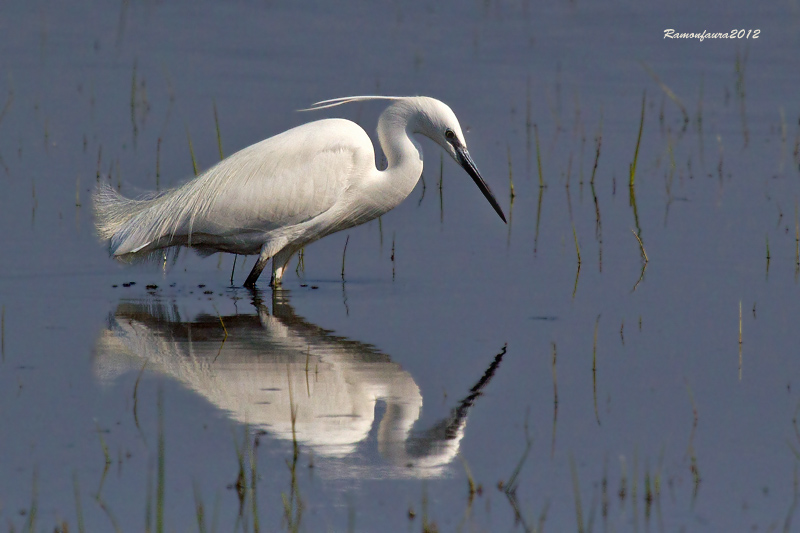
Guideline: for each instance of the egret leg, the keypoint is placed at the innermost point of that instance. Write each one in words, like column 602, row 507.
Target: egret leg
column 275, row 280
column 233, row 269
column 279, row 263
column 259, row 267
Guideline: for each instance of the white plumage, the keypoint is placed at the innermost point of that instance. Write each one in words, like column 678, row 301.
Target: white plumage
column 278, row 195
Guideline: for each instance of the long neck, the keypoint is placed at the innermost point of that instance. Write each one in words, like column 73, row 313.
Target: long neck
column 403, row 154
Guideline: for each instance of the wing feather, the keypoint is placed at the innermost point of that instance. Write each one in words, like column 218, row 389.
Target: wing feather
column 280, row 182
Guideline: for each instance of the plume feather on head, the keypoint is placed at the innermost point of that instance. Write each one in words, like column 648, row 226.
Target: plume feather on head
column 333, row 102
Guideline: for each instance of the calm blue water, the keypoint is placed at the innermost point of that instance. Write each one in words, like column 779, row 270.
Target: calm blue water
column 642, row 409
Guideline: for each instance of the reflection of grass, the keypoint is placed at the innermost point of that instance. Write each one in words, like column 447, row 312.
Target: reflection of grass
column 100, row 160
column 78, row 506
column 740, row 340
column 200, row 512
column 441, row 185
column 599, row 140
column 472, row 488
column 576, row 488
column 598, row 224
column 631, row 182
column 784, row 138
column 641, row 246
column 511, row 193
column 690, row 449
column 253, row 479
column 594, row 369
column 672, row 165
column 796, row 238
column 428, row 526
column 421, row 196
column 635, row 485
column 103, row 446
column 528, row 124
column 638, row 141
column 622, row 493
column 578, row 252
column 651, row 490
column 510, row 218
column 538, row 220
column 34, row 510
column 161, row 468
column 292, row 504
column 511, row 485
column 34, row 201
column 555, row 402
column 510, row 175
column 136, row 401
column 538, row 156
column 672, row 96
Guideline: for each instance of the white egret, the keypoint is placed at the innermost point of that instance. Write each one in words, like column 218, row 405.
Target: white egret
column 278, row 195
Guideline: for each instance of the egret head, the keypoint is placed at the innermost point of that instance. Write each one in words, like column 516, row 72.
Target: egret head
column 430, row 117
column 437, row 121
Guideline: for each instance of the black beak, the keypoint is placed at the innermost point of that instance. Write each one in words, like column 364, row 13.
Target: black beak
column 466, row 162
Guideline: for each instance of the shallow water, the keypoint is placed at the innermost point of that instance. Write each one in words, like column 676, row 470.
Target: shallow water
column 655, row 395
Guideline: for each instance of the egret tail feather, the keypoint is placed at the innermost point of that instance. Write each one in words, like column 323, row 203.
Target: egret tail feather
column 112, row 210
column 115, row 220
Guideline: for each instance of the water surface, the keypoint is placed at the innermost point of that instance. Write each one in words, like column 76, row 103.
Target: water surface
column 630, row 395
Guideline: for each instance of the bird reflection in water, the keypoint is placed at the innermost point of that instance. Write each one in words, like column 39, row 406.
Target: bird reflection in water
column 260, row 367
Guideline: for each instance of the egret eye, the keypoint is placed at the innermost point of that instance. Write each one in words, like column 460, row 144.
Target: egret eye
column 449, row 135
